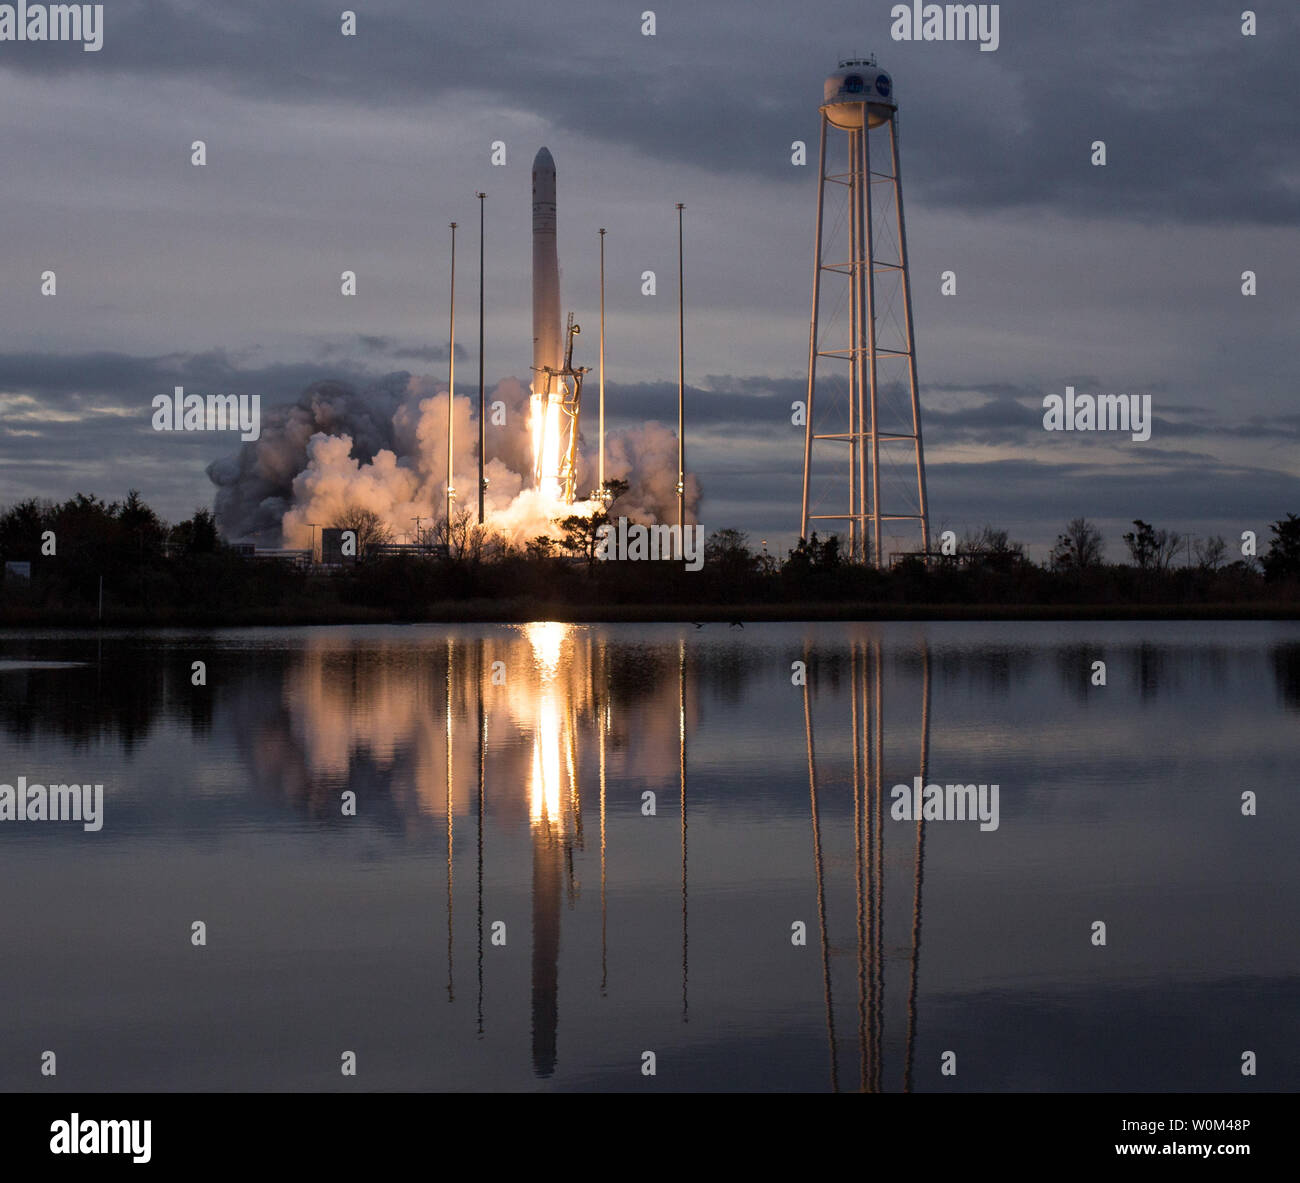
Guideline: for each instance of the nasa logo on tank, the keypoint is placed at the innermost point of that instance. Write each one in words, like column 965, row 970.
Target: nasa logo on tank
column 882, row 84
column 853, row 83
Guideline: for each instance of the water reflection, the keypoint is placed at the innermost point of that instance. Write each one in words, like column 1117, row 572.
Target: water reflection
column 555, row 816
column 1286, row 670
column 375, row 696
column 866, row 728
column 541, row 703
column 503, row 763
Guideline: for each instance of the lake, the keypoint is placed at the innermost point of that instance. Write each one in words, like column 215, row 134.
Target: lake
column 524, row 857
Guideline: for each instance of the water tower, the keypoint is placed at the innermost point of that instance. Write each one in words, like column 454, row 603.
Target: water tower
column 862, row 320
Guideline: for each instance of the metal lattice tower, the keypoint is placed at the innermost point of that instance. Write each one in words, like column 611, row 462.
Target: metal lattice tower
column 858, row 99
column 563, row 389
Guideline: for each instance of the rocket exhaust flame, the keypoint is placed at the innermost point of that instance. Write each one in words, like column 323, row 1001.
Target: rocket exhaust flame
column 546, row 421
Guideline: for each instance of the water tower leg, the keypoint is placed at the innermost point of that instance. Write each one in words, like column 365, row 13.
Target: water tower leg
column 857, row 527
column 812, row 331
column 870, row 278
column 922, row 500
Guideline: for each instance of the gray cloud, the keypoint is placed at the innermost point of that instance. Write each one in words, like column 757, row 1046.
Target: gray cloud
column 741, row 444
column 1168, row 88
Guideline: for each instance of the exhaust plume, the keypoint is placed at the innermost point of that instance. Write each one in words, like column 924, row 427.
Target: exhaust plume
column 385, row 450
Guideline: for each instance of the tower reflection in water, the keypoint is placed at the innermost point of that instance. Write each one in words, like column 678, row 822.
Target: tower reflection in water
column 519, row 723
column 867, row 730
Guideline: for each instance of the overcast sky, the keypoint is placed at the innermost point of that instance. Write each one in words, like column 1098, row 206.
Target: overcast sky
column 328, row 153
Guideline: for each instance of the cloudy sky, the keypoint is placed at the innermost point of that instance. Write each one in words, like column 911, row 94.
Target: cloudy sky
column 329, row 153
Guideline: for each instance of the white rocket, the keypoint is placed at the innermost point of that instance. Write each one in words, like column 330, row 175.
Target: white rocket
column 548, row 349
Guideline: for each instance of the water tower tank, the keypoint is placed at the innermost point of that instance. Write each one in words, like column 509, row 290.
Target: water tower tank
column 858, row 81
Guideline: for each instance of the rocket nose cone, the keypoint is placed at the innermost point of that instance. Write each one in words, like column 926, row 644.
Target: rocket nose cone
column 544, row 159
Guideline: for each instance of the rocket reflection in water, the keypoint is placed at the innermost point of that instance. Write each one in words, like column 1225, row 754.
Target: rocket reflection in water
column 555, row 819
column 417, row 720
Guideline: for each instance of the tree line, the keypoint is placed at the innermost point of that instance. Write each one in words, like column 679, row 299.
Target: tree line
column 149, row 569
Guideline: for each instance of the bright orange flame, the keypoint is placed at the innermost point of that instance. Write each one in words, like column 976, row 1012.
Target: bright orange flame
column 546, row 420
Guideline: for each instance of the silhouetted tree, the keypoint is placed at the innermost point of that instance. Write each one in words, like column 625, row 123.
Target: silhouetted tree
column 20, row 529
column 371, row 529
column 466, row 540
column 1078, row 548
column 728, row 556
column 993, row 547
column 197, row 536
column 812, row 554
column 582, row 533
column 540, row 548
column 1283, row 558
column 142, row 529
column 1152, row 549
column 1211, row 553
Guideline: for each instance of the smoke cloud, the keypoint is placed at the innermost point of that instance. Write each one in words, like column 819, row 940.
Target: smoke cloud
column 337, row 450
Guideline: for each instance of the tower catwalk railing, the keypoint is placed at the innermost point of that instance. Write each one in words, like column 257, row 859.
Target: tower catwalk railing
column 862, row 352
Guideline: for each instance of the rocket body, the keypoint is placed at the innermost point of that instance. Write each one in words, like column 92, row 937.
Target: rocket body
column 547, row 347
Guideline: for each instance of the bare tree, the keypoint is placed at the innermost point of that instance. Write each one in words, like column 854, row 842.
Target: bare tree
column 466, row 539
column 1211, row 553
column 370, row 528
column 988, row 541
column 1079, row 547
column 1152, row 549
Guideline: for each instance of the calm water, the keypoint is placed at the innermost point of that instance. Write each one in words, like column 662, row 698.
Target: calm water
column 501, row 776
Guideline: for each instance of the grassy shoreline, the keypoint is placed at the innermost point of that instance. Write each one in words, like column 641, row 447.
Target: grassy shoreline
column 522, row 610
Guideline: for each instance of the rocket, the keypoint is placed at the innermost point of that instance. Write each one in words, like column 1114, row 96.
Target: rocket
column 547, row 347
